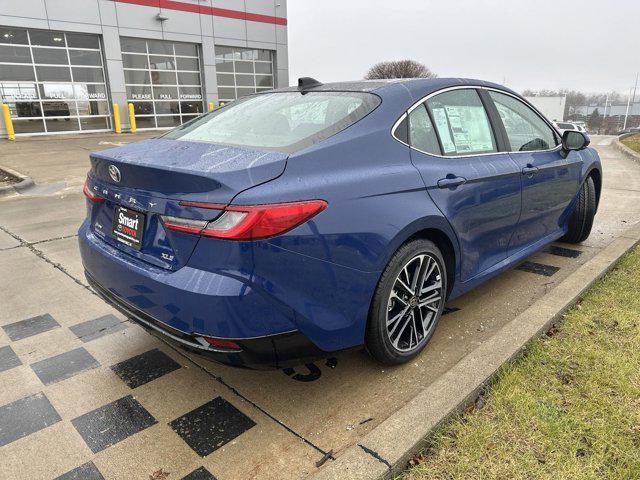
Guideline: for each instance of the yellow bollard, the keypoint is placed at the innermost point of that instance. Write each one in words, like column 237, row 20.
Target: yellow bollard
column 116, row 118
column 132, row 119
column 6, row 113
column 210, row 106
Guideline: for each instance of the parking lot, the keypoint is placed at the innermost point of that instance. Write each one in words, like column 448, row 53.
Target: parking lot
column 85, row 392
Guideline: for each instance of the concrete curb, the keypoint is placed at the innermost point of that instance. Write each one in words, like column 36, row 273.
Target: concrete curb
column 386, row 449
column 25, row 182
column 626, row 150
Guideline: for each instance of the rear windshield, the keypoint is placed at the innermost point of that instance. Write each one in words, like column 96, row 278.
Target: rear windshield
column 566, row 126
column 281, row 121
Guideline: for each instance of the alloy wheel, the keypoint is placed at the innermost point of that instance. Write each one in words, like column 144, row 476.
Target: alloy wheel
column 414, row 303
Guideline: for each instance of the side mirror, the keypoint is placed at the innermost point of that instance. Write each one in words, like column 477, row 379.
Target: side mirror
column 574, row 140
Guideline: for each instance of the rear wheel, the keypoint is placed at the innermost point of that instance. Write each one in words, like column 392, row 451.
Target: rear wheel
column 581, row 219
column 407, row 304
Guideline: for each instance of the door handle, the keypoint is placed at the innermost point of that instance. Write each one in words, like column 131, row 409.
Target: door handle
column 451, row 181
column 529, row 170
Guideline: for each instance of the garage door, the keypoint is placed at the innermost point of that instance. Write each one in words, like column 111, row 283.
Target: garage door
column 162, row 80
column 53, row 82
column 243, row 71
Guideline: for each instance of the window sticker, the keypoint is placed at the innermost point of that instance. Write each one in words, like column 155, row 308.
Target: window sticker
column 460, row 134
column 442, row 124
column 470, row 128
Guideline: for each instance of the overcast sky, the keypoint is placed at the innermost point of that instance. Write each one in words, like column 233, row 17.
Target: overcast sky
column 588, row 45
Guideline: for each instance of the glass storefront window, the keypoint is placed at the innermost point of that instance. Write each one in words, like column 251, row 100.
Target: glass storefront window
column 163, row 78
column 83, row 40
column 90, row 91
column 18, row 91
column 135, row 61
column 165, row 93
column 94, row 123
column 62, row 124
column 13, row 36
column 86, row 74
column 52, row 91
column 50, row 56
column 28, row 126
column 16, row 73
column 243, row 71
column 167, row 73
column 161, row 63
column 85, row 57
column 13, row 54
column 47, row 38
column 53, row 81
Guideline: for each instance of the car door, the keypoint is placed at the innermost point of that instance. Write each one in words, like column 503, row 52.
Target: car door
column 550, row 177
column 476, row 186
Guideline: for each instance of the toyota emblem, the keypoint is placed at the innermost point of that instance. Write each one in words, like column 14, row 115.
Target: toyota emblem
column 114, row 173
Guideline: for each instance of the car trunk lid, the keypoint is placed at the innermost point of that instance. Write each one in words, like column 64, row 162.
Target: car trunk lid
column 145, row 180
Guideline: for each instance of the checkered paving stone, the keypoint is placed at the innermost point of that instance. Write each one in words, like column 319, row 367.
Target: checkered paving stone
column 65, row 365
column 88, row 471
column 199, row 474
column 30, row 327
column 8, row 359
column 563, row 252
column 145, row 367
column 26, row 416
column 108, row 428
column 112, row 423
column 538, row 268
column 211, row 426
column 98, row 327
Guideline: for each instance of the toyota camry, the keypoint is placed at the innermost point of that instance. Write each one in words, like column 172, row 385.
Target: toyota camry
column 311, row 219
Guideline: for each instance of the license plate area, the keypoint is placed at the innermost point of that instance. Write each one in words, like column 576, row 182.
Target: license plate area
column 128, row 226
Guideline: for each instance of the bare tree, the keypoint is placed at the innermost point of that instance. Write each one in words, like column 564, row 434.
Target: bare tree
column 399, row 69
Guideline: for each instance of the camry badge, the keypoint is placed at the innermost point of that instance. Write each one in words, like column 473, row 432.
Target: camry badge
column 114, row 173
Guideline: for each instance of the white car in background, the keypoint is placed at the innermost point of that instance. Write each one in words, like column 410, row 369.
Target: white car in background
column 581, row 126
column 564, row 126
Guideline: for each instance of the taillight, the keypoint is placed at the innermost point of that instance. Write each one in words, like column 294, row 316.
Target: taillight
column 220, row 343
column 87, row 193
column 249, row 222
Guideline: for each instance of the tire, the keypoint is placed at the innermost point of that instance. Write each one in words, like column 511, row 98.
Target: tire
column 384, row 341
column 581, row 219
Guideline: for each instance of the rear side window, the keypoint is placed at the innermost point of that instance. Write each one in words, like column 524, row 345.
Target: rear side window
column 422, row 135
column 282, row 121
column 462, row 123
column 525, row 129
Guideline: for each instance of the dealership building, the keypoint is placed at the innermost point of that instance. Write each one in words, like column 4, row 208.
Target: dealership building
column 64, row 64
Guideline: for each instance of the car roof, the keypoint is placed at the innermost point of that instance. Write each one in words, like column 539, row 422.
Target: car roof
column 418, row 87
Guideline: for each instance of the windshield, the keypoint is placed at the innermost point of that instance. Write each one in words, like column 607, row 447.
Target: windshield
column 282, row 121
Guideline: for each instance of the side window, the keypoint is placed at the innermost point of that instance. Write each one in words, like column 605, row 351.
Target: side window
column 462, row 123
column 401, row 132
column 526, row 130
column 422, row 135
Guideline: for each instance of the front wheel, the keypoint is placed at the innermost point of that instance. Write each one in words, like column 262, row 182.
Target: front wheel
column 581, row 219
column 407, row 304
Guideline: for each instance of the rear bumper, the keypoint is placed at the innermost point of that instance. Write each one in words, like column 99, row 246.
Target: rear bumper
column 189, row 304
column 271, row 351
column 219, row 304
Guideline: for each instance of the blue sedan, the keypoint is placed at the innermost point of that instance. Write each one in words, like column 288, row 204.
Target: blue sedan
column 306, row 220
